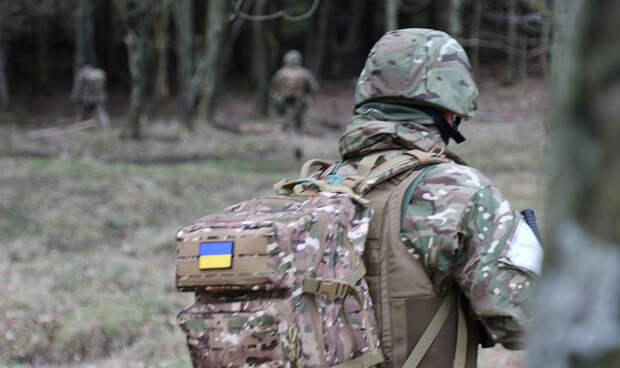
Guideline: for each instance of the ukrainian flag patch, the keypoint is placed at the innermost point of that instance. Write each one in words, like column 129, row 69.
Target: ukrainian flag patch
column 215, row 255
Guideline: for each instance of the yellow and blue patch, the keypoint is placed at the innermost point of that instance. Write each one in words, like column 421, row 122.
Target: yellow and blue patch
column 215, row 255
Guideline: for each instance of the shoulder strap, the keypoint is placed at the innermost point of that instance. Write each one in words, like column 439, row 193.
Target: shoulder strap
column 433, row 329
column 409, row 160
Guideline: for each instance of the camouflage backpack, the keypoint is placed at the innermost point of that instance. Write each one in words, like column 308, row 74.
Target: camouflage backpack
column 279, row 281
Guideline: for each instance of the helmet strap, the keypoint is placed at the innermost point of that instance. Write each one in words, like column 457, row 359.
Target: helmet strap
column 445, row 129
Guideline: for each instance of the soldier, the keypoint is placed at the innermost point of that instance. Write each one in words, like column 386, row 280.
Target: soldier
column 415, row 88
column 89, row 94
column 290, row 86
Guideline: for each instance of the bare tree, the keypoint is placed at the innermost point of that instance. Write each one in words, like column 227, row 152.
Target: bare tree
column 4, row 87
column 511, row 44
column 218, row 44
column 261, row 62
column 85, row 34
column 161, row 24
column 318, row 42
column 455, row 20
column 391, row 14
column 578, row 313
column 475, row 34
column 184, row 22
column 136, row 16
column 545, row 36
column 43, row 82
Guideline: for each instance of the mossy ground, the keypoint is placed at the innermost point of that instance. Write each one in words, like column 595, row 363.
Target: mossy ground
column 87, row 272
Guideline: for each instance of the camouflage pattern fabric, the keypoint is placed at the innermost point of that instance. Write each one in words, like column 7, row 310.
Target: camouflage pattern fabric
column 89, row 86
column 366, row 135
column 419, row 66
column 277, row 324
column 458, row 225
column 294, row 81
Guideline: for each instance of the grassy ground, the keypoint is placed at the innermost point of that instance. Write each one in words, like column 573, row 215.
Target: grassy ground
column 87, row 221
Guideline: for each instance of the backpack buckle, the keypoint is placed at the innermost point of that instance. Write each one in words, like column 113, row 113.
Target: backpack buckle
column 332, row 288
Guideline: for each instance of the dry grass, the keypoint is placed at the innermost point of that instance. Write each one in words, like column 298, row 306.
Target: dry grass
column 86, row 276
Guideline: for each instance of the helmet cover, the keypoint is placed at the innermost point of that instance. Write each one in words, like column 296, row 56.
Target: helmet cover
column 292, row 57
column 419, row 66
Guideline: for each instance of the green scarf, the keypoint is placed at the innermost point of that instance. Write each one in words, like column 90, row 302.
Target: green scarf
column 381, row 126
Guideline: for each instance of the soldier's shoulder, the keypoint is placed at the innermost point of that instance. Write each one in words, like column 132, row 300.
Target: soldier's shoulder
column 456, row 175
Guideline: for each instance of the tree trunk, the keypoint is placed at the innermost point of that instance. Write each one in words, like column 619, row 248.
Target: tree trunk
column 217, row 46
column 474, row 51
column 260, row 62
column 85, row 35
column 456, row 23
column 317, row 49
column 577, row 322
column 391, row 14
column 511, row 37
column 523, row 58
column 441, row 10
column 135, row 51
column 184, row 22
column 545, row 36
column 162, row 21
column 4, row 87
column 43, row 76
column 351, row 43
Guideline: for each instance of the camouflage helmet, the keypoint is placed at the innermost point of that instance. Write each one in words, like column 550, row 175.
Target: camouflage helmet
column 421, row 67
column 292, row 57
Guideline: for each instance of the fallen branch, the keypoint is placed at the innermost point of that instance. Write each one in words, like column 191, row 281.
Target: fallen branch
column 61, row 130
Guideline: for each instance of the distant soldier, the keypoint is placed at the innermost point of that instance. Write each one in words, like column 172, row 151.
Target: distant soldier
column 290, row 86
column 89, row 94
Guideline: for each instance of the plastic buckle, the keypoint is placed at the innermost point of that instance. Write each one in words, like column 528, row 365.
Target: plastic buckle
column 333, row 289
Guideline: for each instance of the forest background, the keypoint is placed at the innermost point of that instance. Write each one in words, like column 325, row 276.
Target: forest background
column 87, row 215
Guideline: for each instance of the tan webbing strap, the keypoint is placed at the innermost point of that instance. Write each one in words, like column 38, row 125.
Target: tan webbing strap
column 356, row 275
column 431, row 332
column 339, row 289
column 367, row 164
column 389, row 164
column 284, row 187
column 394, row 167
column 420, row 155
column 369, row 359
column 306, row 169
column 460, row 354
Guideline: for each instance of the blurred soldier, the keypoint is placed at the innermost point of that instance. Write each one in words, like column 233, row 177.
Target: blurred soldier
column 460, row 256
column 89, row 94
column 290, row 86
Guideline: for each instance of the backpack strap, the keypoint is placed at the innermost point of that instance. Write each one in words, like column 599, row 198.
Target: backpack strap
column 306, row 169
column 433, row 329
column 341, row 289
column 398, row 165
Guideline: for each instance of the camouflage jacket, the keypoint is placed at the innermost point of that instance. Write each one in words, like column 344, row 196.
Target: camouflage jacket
column 460, row 226
column 294, row 81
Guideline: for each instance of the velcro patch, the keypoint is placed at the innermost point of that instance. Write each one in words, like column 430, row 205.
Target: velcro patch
column 215, row 255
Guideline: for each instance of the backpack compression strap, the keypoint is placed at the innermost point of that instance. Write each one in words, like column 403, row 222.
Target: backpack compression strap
column 340, row 289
